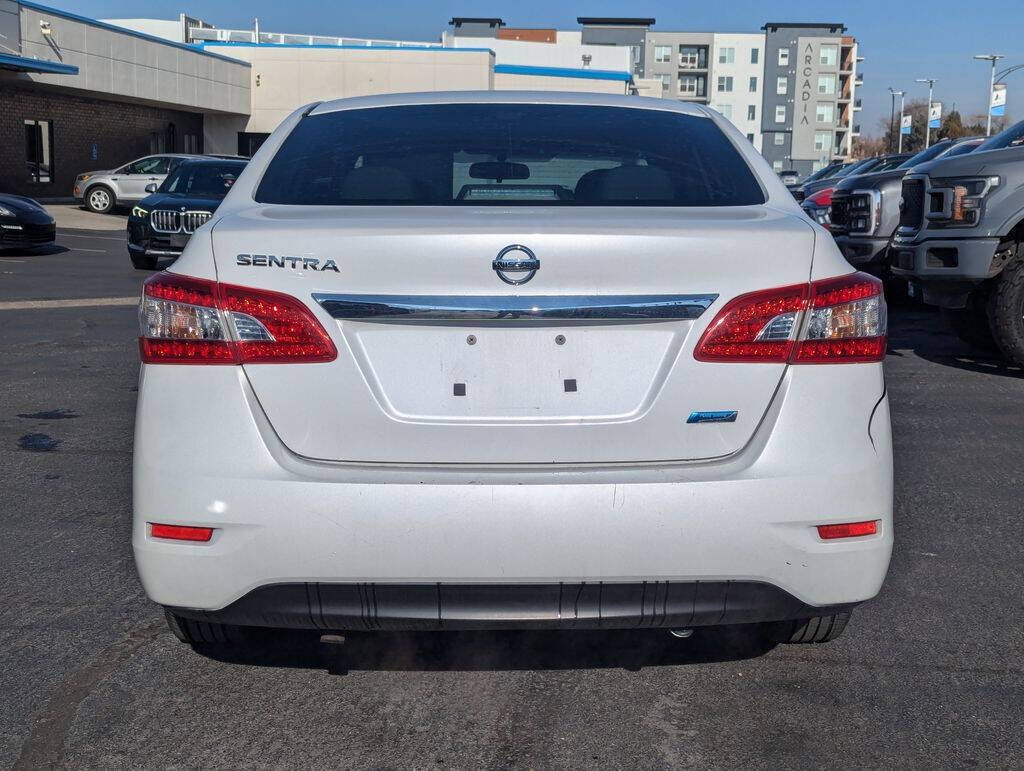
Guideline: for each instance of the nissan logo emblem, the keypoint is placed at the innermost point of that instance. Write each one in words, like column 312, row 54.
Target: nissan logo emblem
column 516, row 259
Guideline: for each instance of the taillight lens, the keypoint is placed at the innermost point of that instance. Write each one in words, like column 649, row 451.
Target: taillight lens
column 186, row 320
column 759, row 326
column 839, row 320
column 846, row 322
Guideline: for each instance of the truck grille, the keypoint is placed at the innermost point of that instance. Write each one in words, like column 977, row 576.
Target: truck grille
column 840, row 214
column 165, row 221
column 912, row 207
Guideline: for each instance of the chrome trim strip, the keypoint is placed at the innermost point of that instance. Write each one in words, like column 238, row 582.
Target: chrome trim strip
column 504, row 308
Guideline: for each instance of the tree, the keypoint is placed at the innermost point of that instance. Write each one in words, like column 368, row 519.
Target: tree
column 914, row 141
column 867, row 146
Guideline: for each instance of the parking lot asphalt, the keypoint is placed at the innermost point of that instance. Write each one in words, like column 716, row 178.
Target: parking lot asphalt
column 928, row 674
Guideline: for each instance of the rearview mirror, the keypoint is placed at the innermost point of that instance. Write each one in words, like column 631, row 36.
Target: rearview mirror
column 151, row 187
column 499, row 170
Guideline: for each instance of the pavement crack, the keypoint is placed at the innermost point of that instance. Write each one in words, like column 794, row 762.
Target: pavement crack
column 44, row 747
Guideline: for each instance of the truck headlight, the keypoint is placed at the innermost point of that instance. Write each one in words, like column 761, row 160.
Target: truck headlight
column 865, row 211
column 959, row 201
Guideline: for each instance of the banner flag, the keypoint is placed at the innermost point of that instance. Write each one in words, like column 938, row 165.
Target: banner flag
column 998, row 105
column 935, row 115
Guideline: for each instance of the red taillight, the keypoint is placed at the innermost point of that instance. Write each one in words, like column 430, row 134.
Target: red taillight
column 754, row 327
column 180, row 532
column 187, row 320
column 821, row 198
column 847, row 530
column 839, row 320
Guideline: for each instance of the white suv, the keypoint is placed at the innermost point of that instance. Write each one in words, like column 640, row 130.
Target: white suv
column 101, row 191
column 505, row 360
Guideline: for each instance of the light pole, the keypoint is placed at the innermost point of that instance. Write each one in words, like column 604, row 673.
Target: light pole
column 892, row 114
column 899, row 126
column 991, row 84
column 928, row 112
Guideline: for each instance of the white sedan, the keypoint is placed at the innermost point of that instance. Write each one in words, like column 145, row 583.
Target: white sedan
column 511, row 360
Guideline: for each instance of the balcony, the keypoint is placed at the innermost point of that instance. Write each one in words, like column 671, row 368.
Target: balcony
column 693, row 57
column 858, row 79
column 856, row 104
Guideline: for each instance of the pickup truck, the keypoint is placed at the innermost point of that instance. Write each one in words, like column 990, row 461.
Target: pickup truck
column 865, row 209
column 960, row 240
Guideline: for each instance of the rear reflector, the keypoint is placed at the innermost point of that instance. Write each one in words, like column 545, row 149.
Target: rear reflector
column 832, row 321
column 187, row 320
column 180, row 532
column 847, row 530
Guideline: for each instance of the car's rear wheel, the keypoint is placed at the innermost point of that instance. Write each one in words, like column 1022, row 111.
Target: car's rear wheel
column 203, row 632
column 100, row 199
column 143, row 262
column 1006, row 310
column 819, row 629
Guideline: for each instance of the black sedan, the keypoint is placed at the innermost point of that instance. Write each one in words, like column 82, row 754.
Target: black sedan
column 24, row 224
column 161, row 224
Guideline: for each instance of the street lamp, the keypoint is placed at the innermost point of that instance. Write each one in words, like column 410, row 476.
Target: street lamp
column 899, row 127
column 892, row 114
column 991, row 84
column 928, row 112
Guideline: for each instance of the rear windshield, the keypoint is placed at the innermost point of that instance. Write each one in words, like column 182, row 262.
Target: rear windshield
column 202, row 180
column 508, row 154
column 925, row 155
column 1011, row 137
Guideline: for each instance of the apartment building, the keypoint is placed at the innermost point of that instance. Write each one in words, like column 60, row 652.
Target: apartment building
column 810, row 100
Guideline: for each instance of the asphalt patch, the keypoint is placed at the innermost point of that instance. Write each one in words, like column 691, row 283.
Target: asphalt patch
column 38, row 443
column 60, row 414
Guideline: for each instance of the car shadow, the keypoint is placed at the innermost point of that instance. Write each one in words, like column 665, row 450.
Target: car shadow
column 34, row 251
column 489, row 650
column 923, row 331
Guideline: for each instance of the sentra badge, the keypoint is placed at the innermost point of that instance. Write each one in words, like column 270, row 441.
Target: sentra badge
column 295, row 263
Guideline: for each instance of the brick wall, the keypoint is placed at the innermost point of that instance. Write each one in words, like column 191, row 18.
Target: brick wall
column 120, row 132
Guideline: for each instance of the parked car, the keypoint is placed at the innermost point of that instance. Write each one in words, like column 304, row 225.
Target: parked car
column 822, row 173
column 486, row 360
column 959, row 240
column 161, row 224
column 101, row 191
column 789, row 178
column 865, row 209
column 24, row 223
column 817, row 202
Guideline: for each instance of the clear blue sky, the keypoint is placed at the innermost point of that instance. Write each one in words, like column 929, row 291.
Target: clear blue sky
column 900, row 39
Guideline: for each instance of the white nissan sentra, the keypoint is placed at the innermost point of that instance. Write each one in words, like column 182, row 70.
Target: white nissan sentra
column 510, row 360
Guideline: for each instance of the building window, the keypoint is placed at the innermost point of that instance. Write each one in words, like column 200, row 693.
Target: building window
column 780, row 113
column 725, row 83
column 776, row 165
column 827, row 55
column 783, row 57
column 688, row 85
column 781, row 84
column 753, row 84
column 662, row 53
column 751, row 112
column 822, row 140
column 39, row 150
column 726, row 55
column 780, row 139
column 750, row 138
column 725, row 109
column 666, row 82
column 191, row 144
column 755, row 54
column 826, row 84
column 824, row 112
column 693, row 57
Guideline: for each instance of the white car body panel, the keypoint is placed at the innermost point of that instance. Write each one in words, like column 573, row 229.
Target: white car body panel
column 366, row 469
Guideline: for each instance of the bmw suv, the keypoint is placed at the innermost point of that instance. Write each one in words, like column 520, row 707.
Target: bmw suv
column 507, row 360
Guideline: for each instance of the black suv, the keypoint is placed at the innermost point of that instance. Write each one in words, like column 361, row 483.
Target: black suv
column 161, row 224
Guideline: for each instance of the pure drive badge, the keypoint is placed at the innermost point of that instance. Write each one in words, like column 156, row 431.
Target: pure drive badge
column 295, row 263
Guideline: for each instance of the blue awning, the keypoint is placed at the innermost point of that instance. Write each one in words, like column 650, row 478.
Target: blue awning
column 27, row 64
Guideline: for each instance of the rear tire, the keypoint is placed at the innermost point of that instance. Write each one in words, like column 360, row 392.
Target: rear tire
column 143, row 262
column 971, row 324
column 100, row 199
column 1006, row 311
column 819, row 629
column 203, row 632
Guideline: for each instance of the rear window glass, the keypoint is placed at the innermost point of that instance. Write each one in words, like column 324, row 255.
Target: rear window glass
column 508, row 154
column 202, row 180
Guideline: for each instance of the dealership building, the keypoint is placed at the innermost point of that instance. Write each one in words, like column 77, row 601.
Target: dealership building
column 80, row 94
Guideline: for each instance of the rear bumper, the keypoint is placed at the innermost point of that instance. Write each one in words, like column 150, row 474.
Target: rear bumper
column 653, row 604
column 206, row 456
